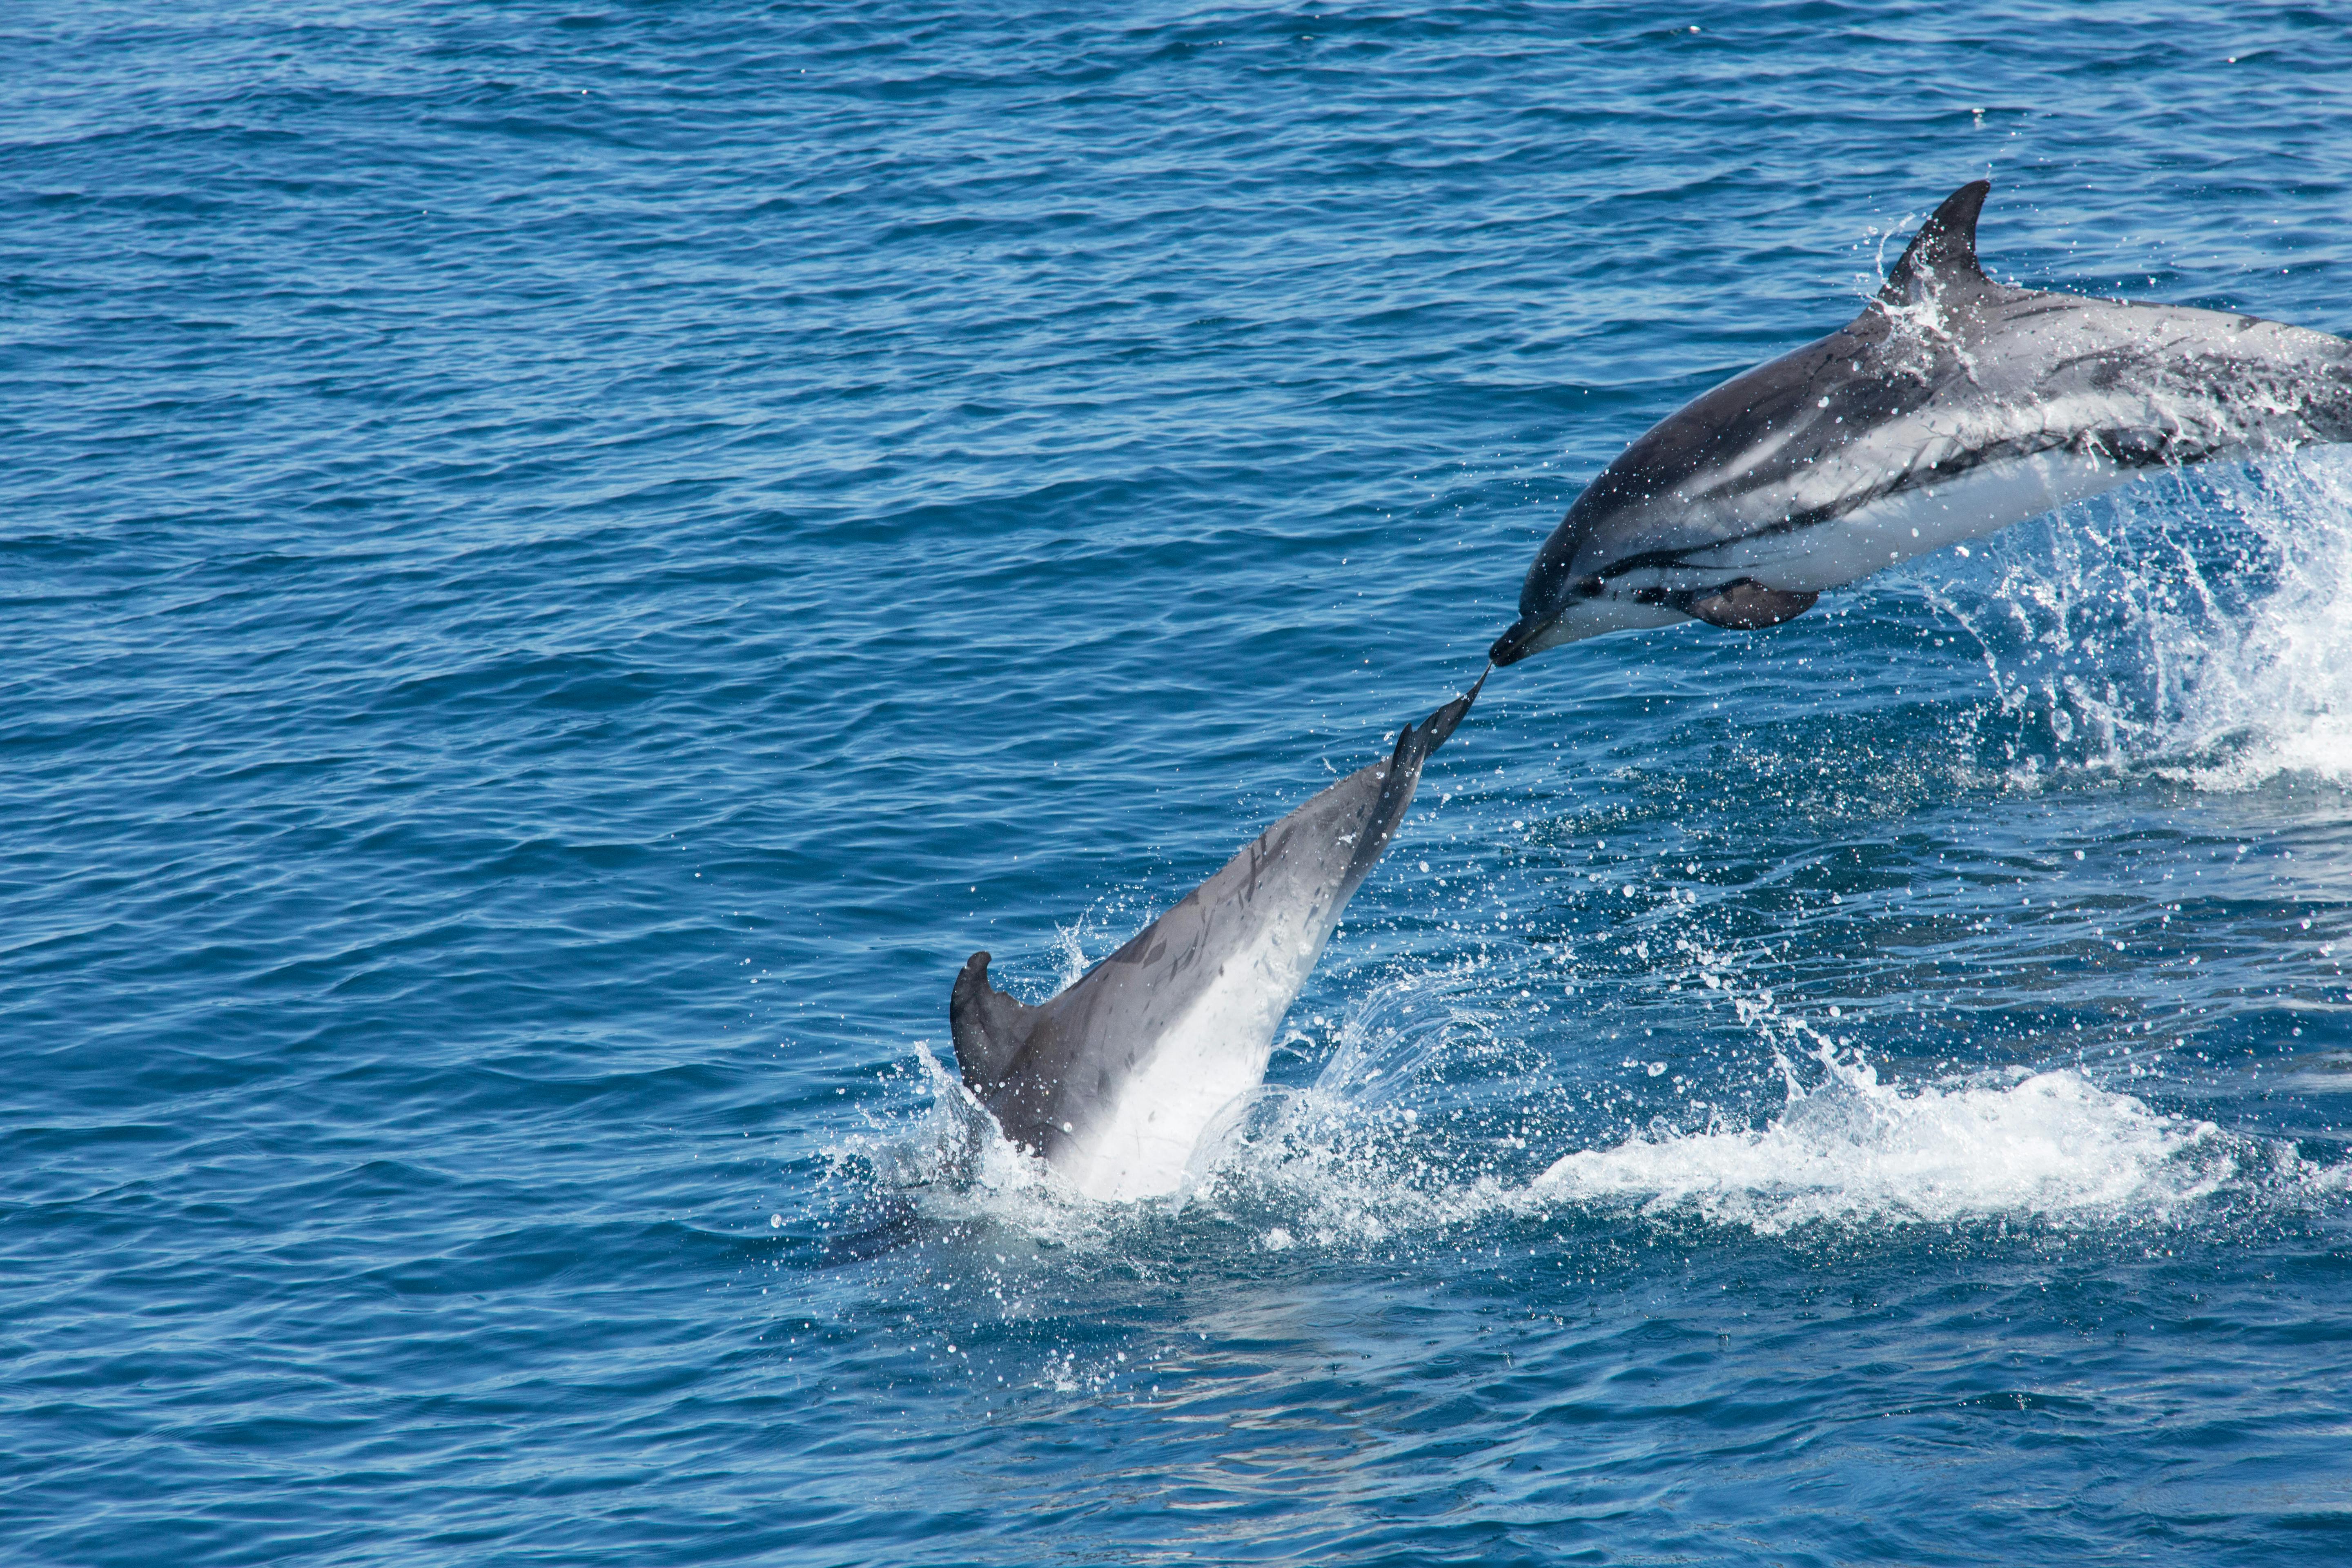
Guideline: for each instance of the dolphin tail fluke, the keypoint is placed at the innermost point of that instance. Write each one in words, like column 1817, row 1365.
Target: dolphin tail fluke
column 1431, row 732
column 1397, row 784
column 988, row 1026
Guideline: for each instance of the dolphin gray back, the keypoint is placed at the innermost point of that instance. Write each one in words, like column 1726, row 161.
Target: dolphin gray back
column 1947, row 370
column 1211, row 978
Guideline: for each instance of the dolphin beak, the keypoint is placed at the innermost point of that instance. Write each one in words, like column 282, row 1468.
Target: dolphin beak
column 1519, row 641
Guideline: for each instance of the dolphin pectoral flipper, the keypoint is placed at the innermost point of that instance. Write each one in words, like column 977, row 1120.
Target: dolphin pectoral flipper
column 988, row 1026
column 1745, row 605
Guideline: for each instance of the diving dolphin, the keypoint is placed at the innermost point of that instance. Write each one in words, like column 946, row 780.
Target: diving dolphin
column 1113, row 1081
column 1952, row 406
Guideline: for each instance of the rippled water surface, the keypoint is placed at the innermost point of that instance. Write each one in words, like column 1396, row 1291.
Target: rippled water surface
column 560, row 568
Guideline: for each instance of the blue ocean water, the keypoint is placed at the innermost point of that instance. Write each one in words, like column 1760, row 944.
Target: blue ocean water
column 561, row 566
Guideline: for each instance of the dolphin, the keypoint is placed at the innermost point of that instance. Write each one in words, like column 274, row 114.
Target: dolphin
column 1952, row 406
column 1114, row 1079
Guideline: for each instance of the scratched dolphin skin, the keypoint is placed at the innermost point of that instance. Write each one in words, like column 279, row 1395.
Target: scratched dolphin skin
column 1114, row 1079
column 1952, row 406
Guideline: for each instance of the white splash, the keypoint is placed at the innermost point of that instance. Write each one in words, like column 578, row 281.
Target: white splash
column 1070, row 960
column 2048, row 1145
column 1326, row 1167
column 953, row 1153
column 2135, row 635
column 2273, row 694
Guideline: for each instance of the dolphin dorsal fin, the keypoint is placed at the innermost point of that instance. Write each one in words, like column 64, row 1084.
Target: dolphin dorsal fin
column 1944, row 251
column 988, row 1026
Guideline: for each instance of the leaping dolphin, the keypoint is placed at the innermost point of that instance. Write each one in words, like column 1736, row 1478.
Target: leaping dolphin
column 1115, row 1079
column 1952, row 406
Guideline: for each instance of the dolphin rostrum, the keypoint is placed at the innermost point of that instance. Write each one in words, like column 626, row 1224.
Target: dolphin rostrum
column 1114, row 1079
column 1952, row 406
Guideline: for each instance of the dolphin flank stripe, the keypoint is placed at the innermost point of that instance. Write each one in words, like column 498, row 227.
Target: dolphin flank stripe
column 2110, row 445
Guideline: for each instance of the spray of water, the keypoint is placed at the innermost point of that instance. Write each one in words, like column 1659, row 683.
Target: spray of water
column 2197, row 627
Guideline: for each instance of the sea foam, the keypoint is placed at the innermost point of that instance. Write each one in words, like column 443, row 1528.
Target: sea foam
column 1852, row 1149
